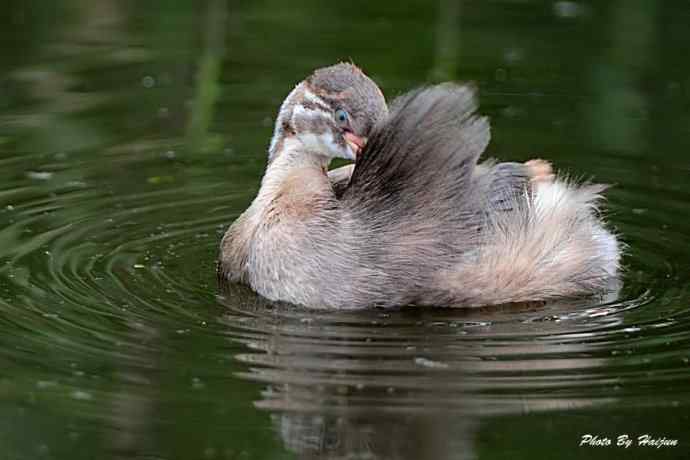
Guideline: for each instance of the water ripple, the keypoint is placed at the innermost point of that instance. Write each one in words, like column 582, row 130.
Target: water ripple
column 97, row 275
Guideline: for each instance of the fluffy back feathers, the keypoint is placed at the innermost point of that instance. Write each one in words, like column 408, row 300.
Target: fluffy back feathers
column 424, row 153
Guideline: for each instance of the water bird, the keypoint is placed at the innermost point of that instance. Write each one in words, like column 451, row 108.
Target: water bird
column 416, row 220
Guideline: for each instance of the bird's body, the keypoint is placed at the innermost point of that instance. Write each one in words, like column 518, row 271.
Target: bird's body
column 417, row 221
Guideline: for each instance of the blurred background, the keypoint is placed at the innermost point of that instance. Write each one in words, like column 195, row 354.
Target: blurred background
column 133, row 133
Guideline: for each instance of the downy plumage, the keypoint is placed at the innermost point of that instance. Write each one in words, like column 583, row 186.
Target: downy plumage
column 417, row 221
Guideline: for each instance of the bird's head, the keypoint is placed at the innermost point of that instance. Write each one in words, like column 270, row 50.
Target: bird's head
column 331, row 113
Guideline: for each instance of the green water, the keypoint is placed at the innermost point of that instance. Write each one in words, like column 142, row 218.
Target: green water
column 133, row 133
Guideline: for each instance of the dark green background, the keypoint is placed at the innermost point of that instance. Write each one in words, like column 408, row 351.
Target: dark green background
column 132, row 133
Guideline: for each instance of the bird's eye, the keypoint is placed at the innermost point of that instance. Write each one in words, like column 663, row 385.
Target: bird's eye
column 342, row 117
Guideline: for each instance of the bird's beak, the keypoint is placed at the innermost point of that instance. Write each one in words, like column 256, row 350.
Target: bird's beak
column 355, row 142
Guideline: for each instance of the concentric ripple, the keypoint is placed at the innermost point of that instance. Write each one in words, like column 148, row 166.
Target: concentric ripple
column 133, row 133
column 103, row 287
column 96, row 278
column 327, row 375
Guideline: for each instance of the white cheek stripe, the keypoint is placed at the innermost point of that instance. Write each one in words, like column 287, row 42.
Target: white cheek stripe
column 282, row 113
column 325, row 143
column 311, row 114
column 311, row 97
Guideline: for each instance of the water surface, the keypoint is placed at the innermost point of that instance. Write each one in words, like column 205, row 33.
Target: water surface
column 133, row 133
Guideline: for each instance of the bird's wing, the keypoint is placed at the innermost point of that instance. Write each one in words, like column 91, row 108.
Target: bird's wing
column 421, row 159
column 501, row 185
column 340, row 178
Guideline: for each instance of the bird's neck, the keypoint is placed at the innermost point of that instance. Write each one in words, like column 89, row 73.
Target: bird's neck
column 295, row 180
column 293, row 158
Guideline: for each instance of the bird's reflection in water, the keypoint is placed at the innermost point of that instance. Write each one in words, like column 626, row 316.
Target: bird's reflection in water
column 409, row 383
column 371, row 435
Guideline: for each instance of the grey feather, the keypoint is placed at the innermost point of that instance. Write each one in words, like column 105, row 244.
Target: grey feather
column 425, row 153
column 419, row 222
column 501, row 184
column 340, row 179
